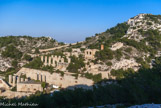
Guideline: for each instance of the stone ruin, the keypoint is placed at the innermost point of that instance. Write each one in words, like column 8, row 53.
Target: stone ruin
column 90, row 53
column 26, row 85
column 54, row 78
column 57, row 62
column 14, row 79
column 98, row 69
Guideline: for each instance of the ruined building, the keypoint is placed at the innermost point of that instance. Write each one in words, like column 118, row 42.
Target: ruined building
column 90, row 53
column 56, row 61
column 54, row 78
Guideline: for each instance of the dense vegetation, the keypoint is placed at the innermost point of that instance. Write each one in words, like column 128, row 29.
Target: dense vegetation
column 138, row 45
column 4, row 41
column 153, row 37
column 27, row 57
column 105, row 54
column 35, row 64
column 154, row 18
column 120, row 74
column 96, row 78
column 76, row 63
column 12, row 52
column 119, row 30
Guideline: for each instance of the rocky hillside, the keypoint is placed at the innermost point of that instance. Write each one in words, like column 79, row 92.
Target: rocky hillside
column 133, row 29
column 14, row 49
column 127, row 47
column 132, row 44
column 136, row 42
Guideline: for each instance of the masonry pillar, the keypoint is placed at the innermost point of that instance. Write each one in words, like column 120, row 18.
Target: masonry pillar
column 59, row 58
column 43, row 78
column 18, row 79
column 10, row 79
column 53, row 62
column 51, row 56
column 42, row 58
column 22, row 79
column 49, row 62
column 56, row 57
column 46, row 60
column 40, row 77
column 14, row 80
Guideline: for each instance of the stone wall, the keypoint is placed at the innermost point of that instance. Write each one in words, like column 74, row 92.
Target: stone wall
column 12, row 94
column 29, row 87
column 55, row 78
column 3, row 84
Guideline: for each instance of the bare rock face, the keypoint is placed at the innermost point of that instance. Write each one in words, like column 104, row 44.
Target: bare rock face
column 4, row 64
column 142, row 22
column 125, row 64
column 116, row 46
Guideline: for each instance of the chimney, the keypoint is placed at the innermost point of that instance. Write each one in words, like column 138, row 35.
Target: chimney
column 102, row 47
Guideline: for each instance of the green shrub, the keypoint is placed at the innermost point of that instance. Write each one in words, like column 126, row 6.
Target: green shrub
column 14, row 63
column 12, row 52
column 128, row 50
column 95, row 78
column 37, row 51
column 119, row 30
column 120, row 74
column 105, row 54
column 148, row 23
column 35, row 64
column 76, row 63
column 27, row 57
column 118, row 54
column 109, row 63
